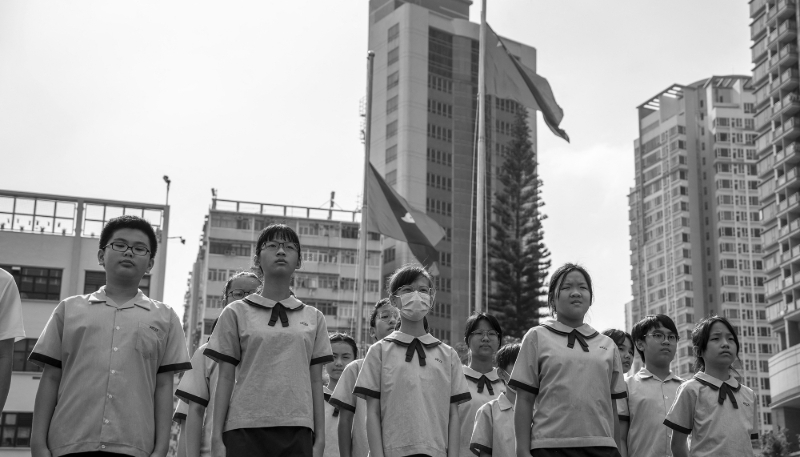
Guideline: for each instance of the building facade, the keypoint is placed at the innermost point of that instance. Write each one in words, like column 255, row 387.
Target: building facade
column 49, row 244
column 424, row 105
column 326, row 279
column 775, row 78
column 696, row 234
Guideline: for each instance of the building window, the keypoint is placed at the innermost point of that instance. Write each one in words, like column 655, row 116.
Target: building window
column 36, row 283
column 22, row 349
column 391, row 178
column 391, row 129
column 391, row 105
column 394, row 32
column 392, row 80
column 16, row 429
column 97, row 279
column 327, row 308
column 37, row 215
column 388, row 255
column 234, row 249
column 214, row 301
column 208, row 326
column 394, row 56
column 391, row 154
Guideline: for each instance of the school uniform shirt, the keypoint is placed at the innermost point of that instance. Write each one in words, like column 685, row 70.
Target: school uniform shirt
column 576, row 374
column 331, row 425
column 273, row 345
column 180, row 412
column 483, row 388
column 645, row 408
column 720, row 416
column 416, row 380
column 199, row 386
column 494, row 428
column 109, row 354
column 344, row 398
column 10, row 309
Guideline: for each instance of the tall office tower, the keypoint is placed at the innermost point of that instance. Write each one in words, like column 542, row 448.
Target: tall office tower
column 423, row 133
column 326, row 279
column 775, row 79
column 695, row 230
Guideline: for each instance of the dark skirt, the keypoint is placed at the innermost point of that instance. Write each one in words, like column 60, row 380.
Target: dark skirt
column 269, row 441
column 596, row 451
column 96, row 454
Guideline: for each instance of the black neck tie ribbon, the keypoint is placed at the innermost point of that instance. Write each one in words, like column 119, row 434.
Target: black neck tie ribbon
column 484, row 381
column 724, row 391
column 576, row 335
column 279, row 311
column 416, row 345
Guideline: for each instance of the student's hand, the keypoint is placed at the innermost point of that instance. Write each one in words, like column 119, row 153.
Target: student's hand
column 318, row 450
column 217, row 447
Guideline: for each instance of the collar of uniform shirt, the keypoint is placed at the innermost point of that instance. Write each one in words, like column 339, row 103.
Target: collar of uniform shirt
column 288, row 303
column 726, row 389
column 645, row 373
column 403, row 339
column 483, row 379
column 139, row 300
column 504, row 402
column 572, row 334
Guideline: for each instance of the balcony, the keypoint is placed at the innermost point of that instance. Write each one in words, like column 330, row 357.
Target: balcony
column 786, row 57
column 762, row 96
column 787, row 31
column 789, row 130
column 756, row 7
column 760, row 48
column 784, row 371
column 763, row 118
column 760, row 72
column 789, row 105
column 784, row 9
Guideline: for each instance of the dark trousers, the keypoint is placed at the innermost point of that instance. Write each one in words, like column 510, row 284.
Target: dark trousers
column 269, row 441
column 597, row 451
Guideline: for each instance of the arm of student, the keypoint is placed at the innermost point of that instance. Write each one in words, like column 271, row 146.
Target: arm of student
column 523, row 412
column 617, row 430
column 163, row 413
column 43, row 408
column 6, row 364
column 182, row 440
column 678, row 444
column 344, row 430
column 222, row 399
column 193, row 429
column 374, row 435
column 623, row 438
column 318, row 400
column 453, row 432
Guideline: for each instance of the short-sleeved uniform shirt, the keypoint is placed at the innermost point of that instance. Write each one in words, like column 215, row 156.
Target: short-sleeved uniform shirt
column 574, row 385
column 331, row 425
column 716, row 429
column 199, row 386
column 494, row 428
column 344, row 398
column 415, row 398
column 483, row 388
column 109, row 354
column 648, row 402
column 273, row 376
column 181, row 411
column 10, row 309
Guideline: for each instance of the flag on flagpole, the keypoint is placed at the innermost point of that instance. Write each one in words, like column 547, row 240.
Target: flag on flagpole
column 392, row 216
column 507, row 77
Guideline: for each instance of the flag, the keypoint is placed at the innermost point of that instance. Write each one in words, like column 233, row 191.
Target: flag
column 390, row 214
column 507, row 77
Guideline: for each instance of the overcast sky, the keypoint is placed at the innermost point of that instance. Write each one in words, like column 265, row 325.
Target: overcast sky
column 260, row 100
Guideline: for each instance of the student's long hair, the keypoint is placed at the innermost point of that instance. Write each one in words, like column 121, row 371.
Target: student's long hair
column 406, row 275
column 701, row 335
column 475, row 319
column 345, row 338
column 618, row 336
column 274, row 232
column 239, row 274
column 554, row 289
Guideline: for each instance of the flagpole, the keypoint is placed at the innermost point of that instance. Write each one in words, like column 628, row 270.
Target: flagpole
column 362, row 252
column 480, row 304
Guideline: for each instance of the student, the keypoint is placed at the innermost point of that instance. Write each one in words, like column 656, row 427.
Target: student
column 571, row 373
column 493, row 433
column 413, row 383
column 713, row 406
column 344, row 351
column 11, row 330
column 482, row 334
column 270, row 349
column 109, row 359
column 197, row 388
column 352, row 426
column 651, row 391
column 624, row 343
column 180, row 418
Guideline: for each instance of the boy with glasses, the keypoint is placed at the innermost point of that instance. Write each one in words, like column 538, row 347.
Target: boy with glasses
column 109, row 359
column 651, row 391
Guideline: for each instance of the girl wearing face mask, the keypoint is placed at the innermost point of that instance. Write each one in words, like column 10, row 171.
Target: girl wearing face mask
column 412, row 382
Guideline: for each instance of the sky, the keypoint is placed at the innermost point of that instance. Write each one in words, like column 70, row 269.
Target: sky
column 260, row 100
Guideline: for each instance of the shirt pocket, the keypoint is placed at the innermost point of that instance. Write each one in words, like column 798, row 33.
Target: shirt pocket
column 148, row 341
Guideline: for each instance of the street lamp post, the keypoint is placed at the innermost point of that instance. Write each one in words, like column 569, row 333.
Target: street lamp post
column 168, row 181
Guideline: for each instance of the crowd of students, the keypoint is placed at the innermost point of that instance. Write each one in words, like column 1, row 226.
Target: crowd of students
column 257, row 386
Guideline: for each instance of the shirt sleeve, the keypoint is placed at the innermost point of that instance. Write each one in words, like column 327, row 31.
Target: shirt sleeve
column 622, row 409
column 482, row 431
column 180, row 412
column 10, row 309
column 194, row 384
column 618, row 387
column 681, row 415
column 525, row 375
column 343, row 397
column 175, row 356
column 47, row 350
column 368, row 383
column 322, row 352
column 225, row 345
column 459, row 391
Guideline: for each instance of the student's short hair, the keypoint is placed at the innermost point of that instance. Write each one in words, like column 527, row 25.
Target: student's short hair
column 424, row 324
column 374, row 314
column 507, row 355
column 241, row 273
column 129, row 222
column 405, row 275
column 701, row 334
column 345, row 338
column 279, row 231
column 649, row 323
column 554, row 290
column 476, row 318
column 617, row 336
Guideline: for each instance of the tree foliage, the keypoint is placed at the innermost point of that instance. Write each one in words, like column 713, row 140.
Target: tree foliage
column 518, row 256
column 776, row 444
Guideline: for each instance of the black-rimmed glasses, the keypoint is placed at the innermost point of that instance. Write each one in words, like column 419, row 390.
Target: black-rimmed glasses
column 119, row 246
column 659, row 337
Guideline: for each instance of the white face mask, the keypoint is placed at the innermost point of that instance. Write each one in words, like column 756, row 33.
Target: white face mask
column 415, row 305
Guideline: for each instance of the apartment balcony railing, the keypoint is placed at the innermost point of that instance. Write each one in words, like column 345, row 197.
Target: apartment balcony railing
column 763, row 118
column 760, row 72
column 757, row 53
column 758, row 27
column 762, row 95
column 756, row 6
column 786, row 29
column 784, row 8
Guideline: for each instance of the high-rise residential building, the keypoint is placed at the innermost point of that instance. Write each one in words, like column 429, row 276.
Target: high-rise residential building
column 327, row 276
column 424, row 105
column 775, row 82
column 696, row 245
column 49, row 244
